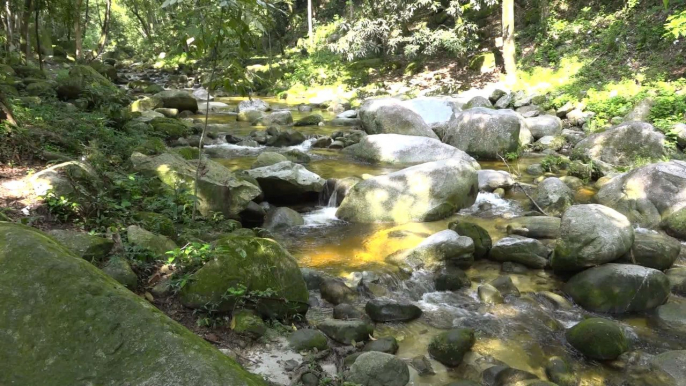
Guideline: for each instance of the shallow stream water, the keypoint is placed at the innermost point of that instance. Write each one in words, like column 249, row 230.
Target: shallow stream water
column 522, row 333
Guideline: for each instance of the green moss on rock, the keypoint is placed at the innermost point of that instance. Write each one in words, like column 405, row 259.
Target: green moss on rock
column 155, row 222
column 247, row 322
column 82, row 244
column 599, row 339
column 449, row 347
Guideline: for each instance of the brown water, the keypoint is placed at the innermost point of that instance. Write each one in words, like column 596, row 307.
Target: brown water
column 523, row 333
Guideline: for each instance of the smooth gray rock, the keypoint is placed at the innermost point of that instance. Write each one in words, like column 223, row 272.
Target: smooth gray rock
column 485, row 133
column 346, row 331
column 440, row 248
column 385, row 310
column 544, row 125
column 554, row 196
column 282, row 218
column 388, row 116
column 432, row 109
column 253, row 104
column 490, row 180
column 286, row 179
column 379, row 369
column 653, row 250
column 622, row 145
column 522, row 250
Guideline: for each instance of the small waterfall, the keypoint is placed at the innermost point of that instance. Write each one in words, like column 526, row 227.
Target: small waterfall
column 329, row 195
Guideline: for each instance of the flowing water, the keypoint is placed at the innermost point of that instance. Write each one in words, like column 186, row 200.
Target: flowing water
column 522, row 333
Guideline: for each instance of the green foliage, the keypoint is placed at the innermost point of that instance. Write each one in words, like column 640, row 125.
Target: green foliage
column 676, row 25
column 553, row 164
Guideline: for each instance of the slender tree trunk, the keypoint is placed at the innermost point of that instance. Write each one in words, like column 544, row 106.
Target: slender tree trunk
column 309, row 21
column 544, row 13
column 77, row 29
column 87, row 14
column 8, row 24
column 38, row 47
column 352, row 16
column 105, row 29
column 509, row 48
column 26, row 20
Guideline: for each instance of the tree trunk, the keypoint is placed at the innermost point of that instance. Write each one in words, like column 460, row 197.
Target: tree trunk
column 26, row 20
column 105, row 29
column 309, row 21
column 38, row 47
column 77, row 29
column 544, row 13
column 509, row 49
column 8, row 24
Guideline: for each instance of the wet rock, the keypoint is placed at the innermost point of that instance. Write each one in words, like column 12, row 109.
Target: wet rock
column 553, row 196
column 388, row 116
column 573, row 183
column 441, row 247
column 652, row 250
column 348, row 114
column 336, row 292
column 463, row 383
column 398, row 149
column 598, row 339
column 346, row 331
column 485, row 133
column 248, row 322
column 282, row 218
column 449, row 347
column 253, row 104
column 146, row 104
column 313, row 279
column 672, row 317
column 310, row 120
column 522, row 250
column 618, row 288
column 268, row 158
column 591, row 235
column 677, row 280
column 385, row 310
column 544, row 125
column 308, row 339
column 451, row 279
column 480, row 237
column 556, row 301
column 278, row 118
column 303, row 108
column 379, row 369
column 256, row 263
column 489, row 295
column 287, row 181
column 560, row 372
column 120, row 325
column 82, row 244
column 535, row 170
column 337, row 145
column 536, row 227
column 510, row 267
column 508, row 376
column 447, row 187
column 345, row 311
column 167, row 112
column 288, row 137
column 672, row 364
column 490, row 180
column 177, row 99
column 388, row 345
column 297, row 156
column 251, row 116
column 477, row 101
column 423, row 365
column 505, row 286
column 120, row 270
column 623, row 144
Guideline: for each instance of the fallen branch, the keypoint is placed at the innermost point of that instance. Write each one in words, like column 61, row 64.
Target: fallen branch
column 516, row 184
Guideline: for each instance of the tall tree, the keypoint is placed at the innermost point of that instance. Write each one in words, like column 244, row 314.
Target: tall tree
column 26, row 21
column 105, row 29
column 78, row 38
column 509, row 49
column 38, row 46
column 309, row 21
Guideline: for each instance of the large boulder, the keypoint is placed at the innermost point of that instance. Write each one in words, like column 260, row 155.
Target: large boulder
column 544, row 125
column 283, row 117
column 286, row 180
column 398, row 149
column 521, row 250
column 672, row 364
column 449, row 347
column 346, row 331
column 591, row 235
column 82, row 244
column 288, row 137
column 648, row 194
column 480, row 237
column 622, row 145
column 383, row 310
column 537, row 227
column 672, row 317
column 490, row 180
column 84, row 81
column 653, row 250
column 219, row 190
column 425, row 192
column 618, row 288
column 441, row 248
column 282, row 218
column 178, row 99
column 257, row 264
column 677, row 280
column 388, row 116
column 99, row 332
column 432, row 109
column 599, row 339
column 379, row 369
column 554, row 196
column 485, row 133
column 268, row 158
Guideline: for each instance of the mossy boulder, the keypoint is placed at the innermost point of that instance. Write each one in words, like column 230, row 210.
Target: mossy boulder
column 675, row 224
column 618, row 288
column 177, row 99
column 444, row 247
column 156, row 222
column 219, row 190
column 29, row 72
column 310, row 120
column 261, row 266
column 482, row 240
column 99, row 331
column 449, row 347
column 378, row 369
column 622, row 145
column 105, row 70
column 248, row 322
column 151, row 146
column 522, row 250
column 41, row 89
column 170, row 128
column 120, row 270
column 82, row 244
column 85, row 82
column 653, row 250
column 188, row 153
column 346, row 331
column 146, row 104
column 308, row 339
column 598, row 339
column 268, row 158
column 157, row 244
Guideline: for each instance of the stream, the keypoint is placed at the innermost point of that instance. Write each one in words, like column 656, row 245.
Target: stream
column 523, row 333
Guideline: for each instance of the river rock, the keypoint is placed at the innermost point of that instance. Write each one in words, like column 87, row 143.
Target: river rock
column 522, row 250
column 388, row 116
column 384, row 310
column 622, row 145
column 544, row 125
column 249, row 323
column 647, row 194
column 618, row 288
column 128, row 341
column 282, row 218
column 490, row 180
column 282, row 117
column 334, row 291
column 559, row 371
column 120, row 270
column 677, row 280
column 591, row 235
column 256, row 263
column 653, row 250
column 347, row 311
column 485, row 133
column 288, row 137
column 177, row 99
column 489, row 294
column 554, row 196
column 253, row 104
column 675, row 224
column 82, row 244
column 346, row 331
column 505, row 286
column 482, row 240
column 268, row 158
column 449, row 347
column 426, row 192
column 219, row 190
column 671, row 363
column 379, row 369
column 287, row 180
column 672, row 317
column 387, row 344
column 441, row 247
column 432, row 109
column 451, row 279
column 598, row 339
column 535, row 227
column 398, row 149
column 477, row 101
column 308, row 339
